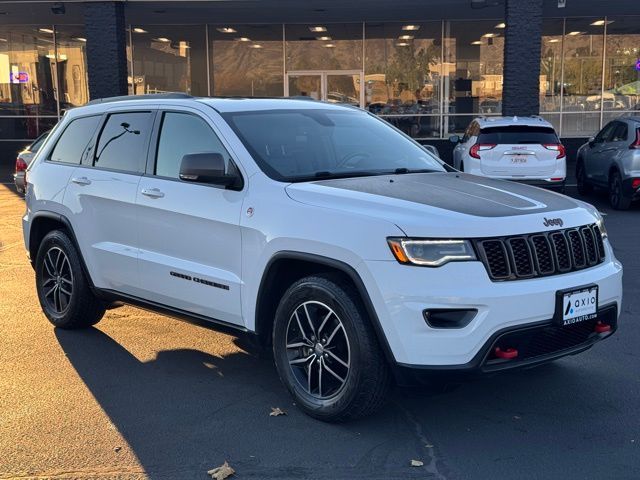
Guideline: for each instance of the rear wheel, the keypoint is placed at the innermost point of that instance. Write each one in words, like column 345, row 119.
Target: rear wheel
column 617, row 198
column 63, row 290
column 326, row 352
column 584, row 187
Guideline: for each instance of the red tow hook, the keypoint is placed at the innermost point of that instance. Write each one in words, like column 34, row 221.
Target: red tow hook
column 507, row 354
column 602, row 327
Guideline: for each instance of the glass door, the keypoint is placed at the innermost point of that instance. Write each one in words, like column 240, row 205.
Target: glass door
column 304, row 85
column 334, row 86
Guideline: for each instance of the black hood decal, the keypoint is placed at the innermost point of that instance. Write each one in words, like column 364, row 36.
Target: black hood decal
column 459, row 192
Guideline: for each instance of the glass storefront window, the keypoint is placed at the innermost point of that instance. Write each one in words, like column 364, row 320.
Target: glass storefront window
column 474, row 54
column 583, row 44
column 622, row 68
column 72, row 66
column 27, row 66
column 403, row 73
column 335, row 46
column 247, row 60
column 551, row 65
column 169, row 58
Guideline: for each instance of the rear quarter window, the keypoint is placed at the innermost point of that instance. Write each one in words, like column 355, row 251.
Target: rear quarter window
column 74, row 139
column 518, row 134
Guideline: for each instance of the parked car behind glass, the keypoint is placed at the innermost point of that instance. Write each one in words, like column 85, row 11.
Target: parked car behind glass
column 611, row 160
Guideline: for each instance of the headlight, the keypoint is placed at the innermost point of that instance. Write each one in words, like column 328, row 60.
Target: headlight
column 430, row 253
column 600, row 224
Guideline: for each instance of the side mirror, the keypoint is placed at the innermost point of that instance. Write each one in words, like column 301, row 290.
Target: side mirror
column 207, row 168
column 591, row 141
column 454, row 139
column 432, row 150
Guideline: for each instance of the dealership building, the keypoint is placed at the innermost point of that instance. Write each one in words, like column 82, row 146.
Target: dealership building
column 426, row 66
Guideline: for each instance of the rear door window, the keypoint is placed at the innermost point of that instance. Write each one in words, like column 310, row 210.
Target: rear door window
column 124, row 141
column 74, row 140
column 517, row 134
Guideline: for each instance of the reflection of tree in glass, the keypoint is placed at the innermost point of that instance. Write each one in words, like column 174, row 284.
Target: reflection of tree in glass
column 407, row 68
column 125, row 129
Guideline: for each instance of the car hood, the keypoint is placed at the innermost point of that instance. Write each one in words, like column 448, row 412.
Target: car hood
column 447, row 204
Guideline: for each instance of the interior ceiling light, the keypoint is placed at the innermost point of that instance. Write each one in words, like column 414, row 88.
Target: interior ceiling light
column 402, row 44
column 411, row 28
column 477, row 42
column 163, row 39
column 490, row 35
column 256, row 45
column 243, row 39
column 574, row 33
column 318, row 28
column 226, row 30
column 405, row 37
column 329, row 45
column 554, row 40
column 45, row 30
column 139, row 30
column 501, row 25
column 324, row 39
column 599, row 23
column 80, row 39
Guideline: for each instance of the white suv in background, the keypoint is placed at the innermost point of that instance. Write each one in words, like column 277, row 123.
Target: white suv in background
column 525, row 149
column 317, row 230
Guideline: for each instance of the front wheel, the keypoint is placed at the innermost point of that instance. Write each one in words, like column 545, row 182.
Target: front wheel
column 326, row 351
column 63, row 289
column 617, row 198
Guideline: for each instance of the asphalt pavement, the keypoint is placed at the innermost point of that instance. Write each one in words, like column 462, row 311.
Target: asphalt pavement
column 145, row 396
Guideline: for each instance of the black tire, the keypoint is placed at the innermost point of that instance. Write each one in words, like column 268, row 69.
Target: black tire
column 367, row 380
column 584, row 187
column 63, row 290
column 617, row 198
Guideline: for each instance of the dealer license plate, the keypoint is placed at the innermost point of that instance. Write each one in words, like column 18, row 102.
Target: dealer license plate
column 579, row 305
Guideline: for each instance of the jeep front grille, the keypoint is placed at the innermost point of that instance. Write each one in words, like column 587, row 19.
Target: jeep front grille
column 541, row 254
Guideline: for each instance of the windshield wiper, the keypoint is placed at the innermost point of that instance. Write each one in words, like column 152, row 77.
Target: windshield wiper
column 361, row 173
column 403, row 170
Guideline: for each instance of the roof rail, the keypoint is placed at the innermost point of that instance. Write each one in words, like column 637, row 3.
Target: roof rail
column 150, row 96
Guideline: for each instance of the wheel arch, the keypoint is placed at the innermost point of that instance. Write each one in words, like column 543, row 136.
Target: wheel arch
column 286, row 267
column 43, row 222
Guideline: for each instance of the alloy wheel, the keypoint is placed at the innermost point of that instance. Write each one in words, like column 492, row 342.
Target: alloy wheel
column 615, row 191
column 57, row 280
column 318, row 350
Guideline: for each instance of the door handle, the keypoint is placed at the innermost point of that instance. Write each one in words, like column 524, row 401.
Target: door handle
column 81, row 181
column 152, row 193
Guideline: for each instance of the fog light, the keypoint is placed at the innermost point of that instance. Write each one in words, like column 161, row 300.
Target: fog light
column 448, row 318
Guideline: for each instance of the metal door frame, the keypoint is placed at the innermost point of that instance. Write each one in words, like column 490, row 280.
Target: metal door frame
column 323, row 74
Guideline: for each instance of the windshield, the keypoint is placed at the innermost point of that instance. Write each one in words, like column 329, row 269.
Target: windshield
column 300, row 145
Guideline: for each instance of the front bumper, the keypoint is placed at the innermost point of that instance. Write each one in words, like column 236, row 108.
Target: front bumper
column 401, row 293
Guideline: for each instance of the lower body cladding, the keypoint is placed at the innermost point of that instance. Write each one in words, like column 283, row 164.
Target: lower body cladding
column 500, row 325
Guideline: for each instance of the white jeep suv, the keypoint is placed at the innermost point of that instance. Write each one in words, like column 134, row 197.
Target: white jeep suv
column 524, row 149
column 318, row 230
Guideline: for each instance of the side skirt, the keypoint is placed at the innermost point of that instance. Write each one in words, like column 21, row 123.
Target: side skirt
column 111, row 296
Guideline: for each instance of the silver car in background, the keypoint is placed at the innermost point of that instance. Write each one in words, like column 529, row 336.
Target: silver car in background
column 611, row 160
column 24, row 159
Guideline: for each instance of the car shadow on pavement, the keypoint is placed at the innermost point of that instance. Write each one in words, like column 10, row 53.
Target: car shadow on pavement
column 187, row 411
